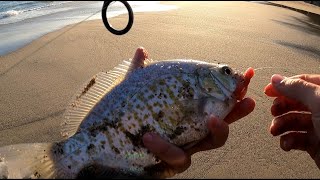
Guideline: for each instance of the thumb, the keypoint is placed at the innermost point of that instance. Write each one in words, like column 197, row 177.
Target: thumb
column 298, row 89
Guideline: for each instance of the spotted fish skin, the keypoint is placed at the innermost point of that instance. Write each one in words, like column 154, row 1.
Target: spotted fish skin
column 168, row 101
column 173, row 98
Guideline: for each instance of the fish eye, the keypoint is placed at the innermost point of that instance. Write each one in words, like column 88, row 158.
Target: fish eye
column 226, row 70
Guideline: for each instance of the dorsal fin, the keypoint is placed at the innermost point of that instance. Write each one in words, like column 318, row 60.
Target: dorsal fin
column 85, row 99
column 99, row 85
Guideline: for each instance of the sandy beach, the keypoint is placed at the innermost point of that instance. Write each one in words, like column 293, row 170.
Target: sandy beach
column 38, row 80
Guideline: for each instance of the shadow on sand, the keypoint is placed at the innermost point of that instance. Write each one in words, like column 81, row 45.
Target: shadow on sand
column 311, row 51
column 313, row 16
column 303, row 26
column 309, row 25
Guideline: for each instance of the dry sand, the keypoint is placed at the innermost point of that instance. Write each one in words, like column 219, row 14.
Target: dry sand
column 38, row 80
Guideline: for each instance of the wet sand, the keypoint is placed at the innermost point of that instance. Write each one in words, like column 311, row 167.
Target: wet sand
column 38, row 80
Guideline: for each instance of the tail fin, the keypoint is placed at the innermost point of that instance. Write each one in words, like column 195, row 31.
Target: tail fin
column 27, row 161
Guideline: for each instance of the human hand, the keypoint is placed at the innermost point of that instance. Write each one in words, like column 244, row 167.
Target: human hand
column 176, row 160
column 297, row 113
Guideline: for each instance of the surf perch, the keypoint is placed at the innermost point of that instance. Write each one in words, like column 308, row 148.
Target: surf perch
column 107, row 118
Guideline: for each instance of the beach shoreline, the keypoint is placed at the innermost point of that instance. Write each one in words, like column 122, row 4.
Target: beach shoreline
column 38, row 80
column 298, row 6
column 67, row 13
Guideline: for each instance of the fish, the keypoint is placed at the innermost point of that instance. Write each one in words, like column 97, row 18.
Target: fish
column 106, row 119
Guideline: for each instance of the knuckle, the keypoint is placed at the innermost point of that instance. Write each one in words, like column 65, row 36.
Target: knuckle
column 169, row 172
column 220, row 143
column 298, row 83
column 183, row 164
column 276, row 101
column 295, row 83
column 164, row 150
column 317, row 97
column 315, row 100
column 182, row 160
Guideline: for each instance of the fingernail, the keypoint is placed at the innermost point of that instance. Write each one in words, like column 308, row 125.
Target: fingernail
column 215, row 122
column 277, row 105
column 287, row 144
column 276, row 79
column 272, row 124
column 271, row 129
column 148, row 137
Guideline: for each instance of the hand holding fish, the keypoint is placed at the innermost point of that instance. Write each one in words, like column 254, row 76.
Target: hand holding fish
column 297, row 110
column 177, row 160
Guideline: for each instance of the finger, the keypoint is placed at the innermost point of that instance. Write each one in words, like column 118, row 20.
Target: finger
column 316, row 122
column 249, row 73
column 241, row 109
column 296, row 141
column 316, row 157
column 303, row 142
column 219, row 131
column 298, row 89
column 291, row 122
column 282, row 105
column 243, row 87
column 269, row 90
column 167, row 152
column 312, row 78
column 158, row 171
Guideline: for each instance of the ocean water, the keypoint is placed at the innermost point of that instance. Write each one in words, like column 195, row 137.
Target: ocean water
column 23, row 21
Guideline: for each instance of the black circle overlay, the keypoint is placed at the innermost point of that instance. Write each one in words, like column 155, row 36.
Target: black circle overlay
column 106, row 22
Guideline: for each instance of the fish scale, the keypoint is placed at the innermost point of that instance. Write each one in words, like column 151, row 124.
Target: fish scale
column 107, row 118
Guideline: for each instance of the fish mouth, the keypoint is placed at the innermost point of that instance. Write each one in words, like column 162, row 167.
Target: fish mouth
column 243, row 81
